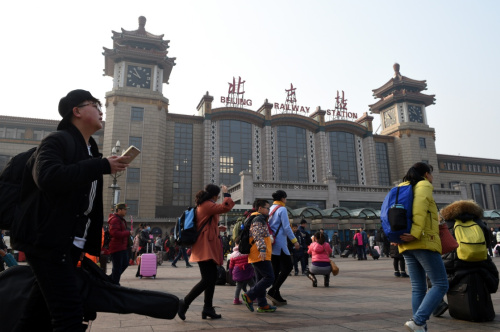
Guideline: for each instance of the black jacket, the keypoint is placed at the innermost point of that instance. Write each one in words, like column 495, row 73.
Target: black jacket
column 55, row 195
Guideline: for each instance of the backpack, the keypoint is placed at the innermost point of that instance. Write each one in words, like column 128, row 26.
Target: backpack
column 185, row 232
column 396, row 212
column 472, row 246
column 11, row 180
column 238, row 227
column 245, row 245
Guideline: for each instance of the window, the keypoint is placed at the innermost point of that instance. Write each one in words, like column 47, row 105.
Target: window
column 2, row 132
column 452, row 184
column 133, row 175
column 479, row 195
column 3, row 161
column 476, row 168
column 382, row 164
column 183, row 165
column 495, row 191
column 421, row 141
column 14, row 133
column 38, row 135
column 137, row 114
column 235, row 150
column 292, row 154
column 132, row 207
column 135, row 141
column 343, row 154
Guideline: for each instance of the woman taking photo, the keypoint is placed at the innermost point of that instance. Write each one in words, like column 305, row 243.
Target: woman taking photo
column 207, row 250
column 422, row 248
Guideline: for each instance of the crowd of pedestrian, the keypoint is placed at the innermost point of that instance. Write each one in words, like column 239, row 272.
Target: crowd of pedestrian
column 62, row 219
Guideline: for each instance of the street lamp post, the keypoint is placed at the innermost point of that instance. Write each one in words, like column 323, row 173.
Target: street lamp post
column 114, row 187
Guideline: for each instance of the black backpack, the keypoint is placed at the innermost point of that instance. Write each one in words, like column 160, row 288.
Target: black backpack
column 245, row 244
column 11, row 180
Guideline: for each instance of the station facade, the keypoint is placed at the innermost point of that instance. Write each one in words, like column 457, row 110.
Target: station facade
column 335, row 170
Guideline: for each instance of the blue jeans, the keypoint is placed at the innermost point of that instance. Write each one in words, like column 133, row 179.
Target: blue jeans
column 120, row 261
column 420, row 263
column 265, row 278
column 182, row 252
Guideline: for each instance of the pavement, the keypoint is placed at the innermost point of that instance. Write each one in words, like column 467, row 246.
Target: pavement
column 365, row 296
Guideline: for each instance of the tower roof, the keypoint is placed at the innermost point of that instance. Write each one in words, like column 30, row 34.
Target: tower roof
column 138, row 46
column 400, row 88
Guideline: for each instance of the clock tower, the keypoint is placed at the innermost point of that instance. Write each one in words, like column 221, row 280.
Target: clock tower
column 136, row 115
column 403, row 114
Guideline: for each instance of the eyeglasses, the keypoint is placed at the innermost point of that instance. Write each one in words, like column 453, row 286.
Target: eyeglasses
column 95, row 105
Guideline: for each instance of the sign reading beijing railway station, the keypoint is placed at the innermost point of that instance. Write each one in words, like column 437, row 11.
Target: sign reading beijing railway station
column 236, row 98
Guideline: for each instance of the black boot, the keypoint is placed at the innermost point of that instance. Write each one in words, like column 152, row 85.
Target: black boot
column 327, row 280
column 313, row 278
column 183, row 307
column 210, row 312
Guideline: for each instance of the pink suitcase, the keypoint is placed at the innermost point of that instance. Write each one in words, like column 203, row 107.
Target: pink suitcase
column 148, row 264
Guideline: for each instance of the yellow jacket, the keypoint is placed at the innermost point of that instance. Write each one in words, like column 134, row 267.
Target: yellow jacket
column 425, row 227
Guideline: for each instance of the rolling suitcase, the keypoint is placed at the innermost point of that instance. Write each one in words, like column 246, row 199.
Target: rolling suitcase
column 345, row 253
column 470, row 300
column 374, row 253
column 148, row 263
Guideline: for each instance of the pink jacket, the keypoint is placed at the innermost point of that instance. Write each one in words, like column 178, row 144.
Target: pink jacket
column 320, row 253
column 359, row 236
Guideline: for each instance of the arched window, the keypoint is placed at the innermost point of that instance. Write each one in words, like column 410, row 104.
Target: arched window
column 343, row 154
column 235, row 150
column 292, row 154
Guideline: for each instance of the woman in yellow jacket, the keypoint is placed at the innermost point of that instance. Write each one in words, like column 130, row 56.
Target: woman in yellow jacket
column 422, row 248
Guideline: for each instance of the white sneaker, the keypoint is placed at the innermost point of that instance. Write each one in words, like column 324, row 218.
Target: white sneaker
column 412, row 326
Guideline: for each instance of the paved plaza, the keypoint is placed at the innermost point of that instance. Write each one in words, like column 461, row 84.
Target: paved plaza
column 365, row 296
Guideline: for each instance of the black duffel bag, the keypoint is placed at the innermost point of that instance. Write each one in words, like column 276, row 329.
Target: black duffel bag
column 97, row 292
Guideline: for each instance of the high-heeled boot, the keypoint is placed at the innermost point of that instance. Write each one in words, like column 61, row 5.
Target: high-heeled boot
column 209, row 312
column 327, row 280
column 312, row 277
column 183, row 307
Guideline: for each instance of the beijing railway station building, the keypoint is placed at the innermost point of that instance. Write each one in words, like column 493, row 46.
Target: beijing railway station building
column 335, row 170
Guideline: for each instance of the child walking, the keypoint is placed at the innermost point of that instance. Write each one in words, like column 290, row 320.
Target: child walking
column 241, row 270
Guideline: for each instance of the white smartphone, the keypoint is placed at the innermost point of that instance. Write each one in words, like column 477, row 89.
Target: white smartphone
column 131, row 152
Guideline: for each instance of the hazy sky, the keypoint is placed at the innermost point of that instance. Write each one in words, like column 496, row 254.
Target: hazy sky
column 52, row 47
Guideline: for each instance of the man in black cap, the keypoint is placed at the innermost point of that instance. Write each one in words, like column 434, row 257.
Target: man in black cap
column 62, row 213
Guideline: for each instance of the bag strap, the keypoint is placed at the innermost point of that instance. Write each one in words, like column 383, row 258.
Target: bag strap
column 203, row 226
column 397, row 196
column 281, row 223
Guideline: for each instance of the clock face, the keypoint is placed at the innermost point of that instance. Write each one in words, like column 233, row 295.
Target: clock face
column 389, row 117
column 139, row 77
column 415, row 114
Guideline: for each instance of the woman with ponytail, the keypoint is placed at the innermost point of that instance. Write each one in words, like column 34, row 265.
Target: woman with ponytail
column 422, row 248
column 207, row 251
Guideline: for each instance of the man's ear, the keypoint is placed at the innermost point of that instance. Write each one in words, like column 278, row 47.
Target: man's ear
column 76, row 112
